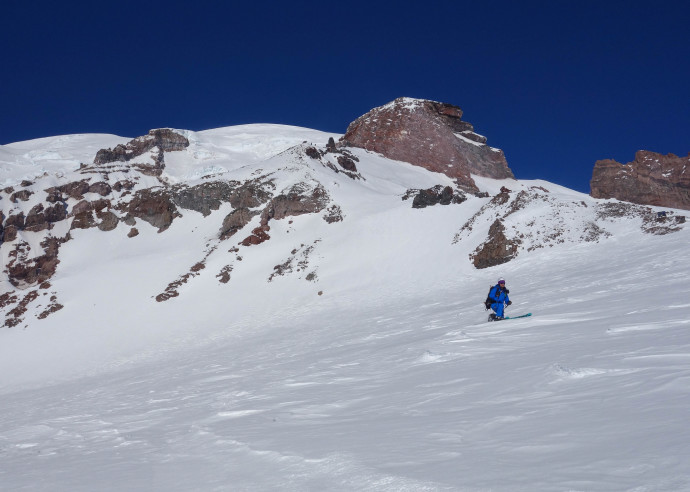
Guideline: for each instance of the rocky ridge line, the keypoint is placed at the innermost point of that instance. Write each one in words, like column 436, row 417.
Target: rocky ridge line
column 650, row 179
column 123, row 185
column 508, row 226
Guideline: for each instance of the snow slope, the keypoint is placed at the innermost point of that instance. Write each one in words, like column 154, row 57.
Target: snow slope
column 380, row 375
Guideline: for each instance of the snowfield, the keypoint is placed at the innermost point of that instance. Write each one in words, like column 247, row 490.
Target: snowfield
column 380, row 375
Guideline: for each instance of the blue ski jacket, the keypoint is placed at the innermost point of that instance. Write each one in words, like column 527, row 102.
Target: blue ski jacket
column 498, row 294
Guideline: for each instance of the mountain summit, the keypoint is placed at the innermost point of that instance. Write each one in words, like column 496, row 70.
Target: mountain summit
column 431, row 135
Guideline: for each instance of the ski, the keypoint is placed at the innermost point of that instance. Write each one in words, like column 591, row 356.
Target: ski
column 516, row 317
column 510, row 317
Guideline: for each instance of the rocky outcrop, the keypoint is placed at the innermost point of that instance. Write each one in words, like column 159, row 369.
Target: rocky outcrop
column 431, row 135
column 437, row 195
column 165, row 139
column 154, row 207
column 102, row 188
column 235, row 221
column 497, row 249
column 23, row 271
column 22, row 195
column 75, row 189
column 258, row 236
column 651, row 179
column 345, row 161
column 108, row 222
column 209, row 196
column 41, row 218
column 83, row 216
column 202, row 198
column 514, row 223
column 300, row 199
column 87, row 214
column 334, row 214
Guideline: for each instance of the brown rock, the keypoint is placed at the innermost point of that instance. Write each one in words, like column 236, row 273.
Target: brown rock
column 83, row 220
column 54, row 195
column 312, row 152
column 224, row 275
column 81, row 207
column 100, row 205
column 16, row 220
column 250, row 195
column 23, row 273
column 430, row 135
column 333, row 214
column 22, row 195
column 56, row 213
column 156, row 208
column 651, row 179
column 9, row 234
column 102, row 188
column 165, row 139
column 52, row 308
column 7, row 299
column 85, row 214
column 258, row 236
column 207, row 197
column 235, row 221
column 347, row 163
column 109, row 221
column 299, row 200
column 41, row 218
column 36, row 220
column 124, row 185
column 75, row 190
column 436, row 195
column 15, row 316
column 496, row 250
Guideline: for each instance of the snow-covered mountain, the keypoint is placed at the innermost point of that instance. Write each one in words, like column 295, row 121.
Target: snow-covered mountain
column 260, row 308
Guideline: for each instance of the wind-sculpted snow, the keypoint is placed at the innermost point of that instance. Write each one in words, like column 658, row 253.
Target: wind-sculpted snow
column 350, row 350
column 380, row 392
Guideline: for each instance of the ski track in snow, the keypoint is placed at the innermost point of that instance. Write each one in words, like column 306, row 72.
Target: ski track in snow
column 391, row 381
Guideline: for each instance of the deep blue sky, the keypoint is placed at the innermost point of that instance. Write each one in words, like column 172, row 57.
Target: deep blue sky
column 555, row 84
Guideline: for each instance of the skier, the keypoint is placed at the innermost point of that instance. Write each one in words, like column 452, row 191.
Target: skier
column 497, row 300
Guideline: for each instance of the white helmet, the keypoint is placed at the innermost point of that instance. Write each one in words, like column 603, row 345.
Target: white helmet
column 501, row 279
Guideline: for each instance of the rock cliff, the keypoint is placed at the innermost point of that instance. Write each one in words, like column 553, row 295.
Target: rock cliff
column 651, row 179
column 431, row 135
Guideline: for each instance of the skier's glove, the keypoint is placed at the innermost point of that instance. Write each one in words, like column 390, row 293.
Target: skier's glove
column 509, row 303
